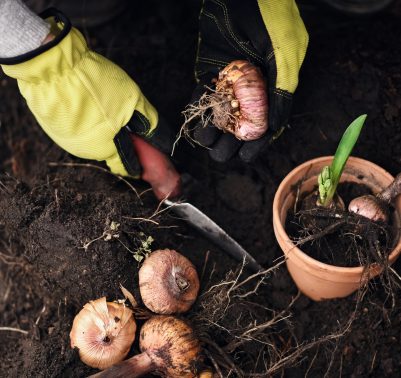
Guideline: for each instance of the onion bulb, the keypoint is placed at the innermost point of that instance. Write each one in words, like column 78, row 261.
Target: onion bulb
column 103, row 332
column 241, row 99
column 168, row 282
column 238, row 105
column 376, row 208
column 169, row 347
column 370, row 207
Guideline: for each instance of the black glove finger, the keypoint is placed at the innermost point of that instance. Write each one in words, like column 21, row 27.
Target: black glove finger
column 203, row 85
column 280, row 103
column 206, row 135
column 250, row 150
column 225, row 148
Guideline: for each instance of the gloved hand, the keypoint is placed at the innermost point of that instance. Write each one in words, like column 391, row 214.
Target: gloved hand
column 269, row 34
column 90, row 107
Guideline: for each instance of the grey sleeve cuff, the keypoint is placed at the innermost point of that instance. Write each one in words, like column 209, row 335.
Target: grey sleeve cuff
column 21, row 30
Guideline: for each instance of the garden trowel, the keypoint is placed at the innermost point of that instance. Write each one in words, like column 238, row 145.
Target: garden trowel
column 155, row 162
column 213, row 231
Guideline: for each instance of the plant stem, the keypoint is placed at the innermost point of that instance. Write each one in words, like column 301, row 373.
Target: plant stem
column 134, row 367
column 392, row 191
column 330, row 176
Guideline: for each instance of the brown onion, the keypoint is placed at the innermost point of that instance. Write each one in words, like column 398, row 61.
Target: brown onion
column 241, row 104
column 168, row 282
column 103, row 332
column 169, row 347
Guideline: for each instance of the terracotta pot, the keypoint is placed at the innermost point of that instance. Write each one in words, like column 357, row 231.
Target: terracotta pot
column 315, row 279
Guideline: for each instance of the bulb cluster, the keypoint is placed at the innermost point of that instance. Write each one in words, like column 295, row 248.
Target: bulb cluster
column 103, row 332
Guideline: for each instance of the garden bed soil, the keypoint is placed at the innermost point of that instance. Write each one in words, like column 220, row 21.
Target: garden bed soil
column 49, row 268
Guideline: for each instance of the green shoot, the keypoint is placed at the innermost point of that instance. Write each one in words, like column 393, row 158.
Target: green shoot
column 145, row 249
column 330, row 175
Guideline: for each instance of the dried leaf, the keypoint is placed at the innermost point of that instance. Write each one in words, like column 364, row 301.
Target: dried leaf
column 128, row 295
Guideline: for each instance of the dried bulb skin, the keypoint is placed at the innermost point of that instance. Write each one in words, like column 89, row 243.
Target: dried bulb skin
column 103, row 332
column 168, row 282
column 168, row 347
column 243, row 111
column 171, row 345
column 370, row 207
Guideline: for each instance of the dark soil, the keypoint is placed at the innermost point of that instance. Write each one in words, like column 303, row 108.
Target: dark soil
column 49, row 213
column 336, row 237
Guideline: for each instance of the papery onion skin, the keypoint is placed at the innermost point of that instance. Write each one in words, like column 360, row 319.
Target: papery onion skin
column 168, row 282
column 243, row 82
column 171, row 345
column 103, row 332
column 169, row 348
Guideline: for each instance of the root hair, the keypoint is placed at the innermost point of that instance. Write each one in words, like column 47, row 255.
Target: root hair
column 212, row 107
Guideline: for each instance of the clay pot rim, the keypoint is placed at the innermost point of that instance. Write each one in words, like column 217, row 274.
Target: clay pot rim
column 293, row 249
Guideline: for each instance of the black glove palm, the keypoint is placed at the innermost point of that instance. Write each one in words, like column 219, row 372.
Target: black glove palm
column 269, row 34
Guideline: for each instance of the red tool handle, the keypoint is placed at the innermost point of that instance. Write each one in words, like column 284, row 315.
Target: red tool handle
column 157, row 169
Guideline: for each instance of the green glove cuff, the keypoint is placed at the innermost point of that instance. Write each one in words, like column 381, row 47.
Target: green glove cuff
column 81, row 99
column 289, row 40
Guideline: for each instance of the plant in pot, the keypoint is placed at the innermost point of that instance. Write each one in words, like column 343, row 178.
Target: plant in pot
column 345, row 213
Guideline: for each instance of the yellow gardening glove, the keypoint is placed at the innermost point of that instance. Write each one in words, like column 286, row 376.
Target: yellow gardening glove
column 83, row 101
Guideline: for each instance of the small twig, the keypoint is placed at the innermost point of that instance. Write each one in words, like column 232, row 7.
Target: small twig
column 261, row 273
column 86, row 245
column 129, row 250
column 297, row 198
column 312, row 362
column 4, row 188
column 171, row 226
column 214, row 363
column 8, row 259
column 333, row 353
column 40, row 315
column 140, row 219
column 261, row 327
column 329, row 229
column 57, row 199
column 224, row 355
column 204, row 265
column 254, row 331
column 372, row 365
column 145, row 191
column 157, row 212
column 11, row 329
column 394, row 272
column 87, row 165
column 7, row 293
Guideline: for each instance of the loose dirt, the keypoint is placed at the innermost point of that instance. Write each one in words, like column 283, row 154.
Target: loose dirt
column 54, row 220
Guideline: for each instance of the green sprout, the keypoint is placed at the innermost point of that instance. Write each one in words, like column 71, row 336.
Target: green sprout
column 145, row 249
column 329, row 176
